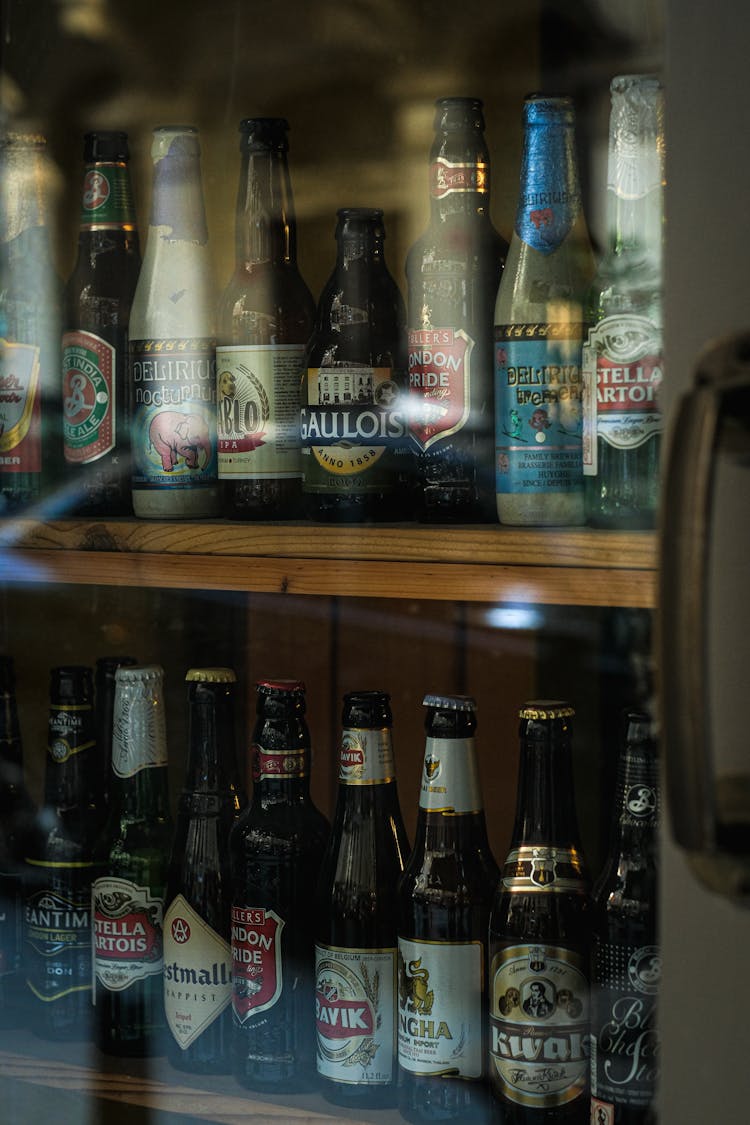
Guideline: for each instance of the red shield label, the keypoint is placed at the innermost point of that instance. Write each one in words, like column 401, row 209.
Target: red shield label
column 257, row 978
column 439, row 370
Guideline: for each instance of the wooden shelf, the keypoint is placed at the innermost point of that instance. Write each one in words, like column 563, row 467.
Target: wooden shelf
column 476, row 564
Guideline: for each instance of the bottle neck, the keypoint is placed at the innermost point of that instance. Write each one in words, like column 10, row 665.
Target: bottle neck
column 635, row 177
column 549, row 201
column 280, row 775
column 24, row 202
column 545, row 808
column 177, row 208
column 210, row 729
column 11, row 749
column 459, row 176
column 107, row 199
column 71, row 776
column 366, row 758
column 635, row 830
column 265, row 224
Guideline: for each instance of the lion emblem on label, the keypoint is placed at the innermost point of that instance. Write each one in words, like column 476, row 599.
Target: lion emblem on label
column 413, row 987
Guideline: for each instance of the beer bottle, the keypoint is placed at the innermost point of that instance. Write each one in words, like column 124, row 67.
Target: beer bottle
column 625, row 956
column 622, row 356
column 538, row 329
column 128, row 896
column 453, row 271
column 61, row 865
column 355, row 373
column 104, row 694
column 30, row 310
column 444, row 903
column 275, row 852
column 98, row 296
column 172, row 344
column 197, row 961
column 265, row 319
column 539, row 978
column 356, row 925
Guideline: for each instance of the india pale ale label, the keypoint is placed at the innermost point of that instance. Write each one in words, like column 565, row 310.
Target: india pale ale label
column 197, row 972
column 89, row 422
column 355, row 1017
column 257, row 977
column 127, row 933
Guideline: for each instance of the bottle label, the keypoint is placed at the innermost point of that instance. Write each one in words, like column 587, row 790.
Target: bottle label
column 258, row 411
column 173, row 398
column 107, row 199
column 439, row 383
column 366, row 757
column 57, row 932
column 128, row 933
column 355, row 1014
column 450, row 178
column 89, row 423
column 440, row 1008
column 538, row 391
column 197, row 973
column 622, row 373
column 20, row 408
column 65, row 727
column 531, row 869
column 139, row 740
column 539, row 1010
column 450, row 777
column 550, row 200
column 276, row 763
column 257, row 977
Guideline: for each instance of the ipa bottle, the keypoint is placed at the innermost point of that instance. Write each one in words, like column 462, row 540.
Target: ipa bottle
column 356, row 927
column 99, row 293
column 625, row 955
column 128, row 897
column 172, row 344
column 444, row 903
column 61, row 865
column 355, row 373
column 275, row 851
column 622, row 356
column 264, row 322
column 539, row 332
column 453, row 271
column 539, row 974
column 197, row 960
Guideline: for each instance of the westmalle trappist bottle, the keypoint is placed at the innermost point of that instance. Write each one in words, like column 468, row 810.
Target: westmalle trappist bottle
column 275, row 851
column 356, row 928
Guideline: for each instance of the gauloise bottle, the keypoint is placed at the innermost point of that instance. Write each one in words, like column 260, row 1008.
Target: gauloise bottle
column 128, row 897
column 172, row 343
column 355, row 374
column 539, row 944
column 453, row 271
column 444, row 903
column 625, row 955
column 197, row 958
column 265, row 320
column 96, row 427
column 622, row 357
column 275, row 851
column 539, row 329
column 61, row 865
column 356, row 925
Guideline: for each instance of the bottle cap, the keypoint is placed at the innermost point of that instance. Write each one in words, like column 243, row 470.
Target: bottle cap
column 541, row 709
column 456, row 114
column 139, row 674
column 211, row 676
column 105, row 145
column 280, row 685
column 264, row 133
column 450, row 702
column 175, row 140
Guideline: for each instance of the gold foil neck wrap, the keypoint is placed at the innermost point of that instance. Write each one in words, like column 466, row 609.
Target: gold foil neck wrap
column 546, row 709
column 211, row 676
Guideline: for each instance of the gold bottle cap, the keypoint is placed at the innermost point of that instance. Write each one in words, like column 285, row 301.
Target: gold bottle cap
column 211, row 676
column 541, row 709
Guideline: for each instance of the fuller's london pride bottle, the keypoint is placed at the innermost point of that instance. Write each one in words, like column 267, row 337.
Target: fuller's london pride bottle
column 539, row 977
column 172, row 343
column 444, row 903
column 128, row 897
column 356, row 926
column 61, row 865
column 625, row 955
column 276, row 847
column 453, row 271
column 197, row 957
column 265, row 319
column 98, row 296
column 622, row 357
column 539, row 329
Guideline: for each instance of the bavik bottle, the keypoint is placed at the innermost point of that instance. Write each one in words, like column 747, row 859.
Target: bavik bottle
column 356, row 915
column 264, row 322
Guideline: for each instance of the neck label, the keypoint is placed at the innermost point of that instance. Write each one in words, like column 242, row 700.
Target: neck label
column 366, row 757
column 450, row 778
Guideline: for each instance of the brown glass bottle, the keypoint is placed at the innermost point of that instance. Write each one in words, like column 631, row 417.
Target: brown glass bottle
column 96, row 423
column 444, row 903
column 356, row 927
column 453, row 271
column 265, row 319
column 275, row 851
column 539, row 942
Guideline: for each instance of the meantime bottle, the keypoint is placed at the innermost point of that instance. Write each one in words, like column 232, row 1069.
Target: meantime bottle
column 622, row 356
column 444, row 903
column 172, row 343
column 356, row 913
column 128, row 897
column 539, row 329
column 625, row 955
column 265, row 319
column 197, row 958
column 96, row 428
column 453, row 271
column 355, row 372
column 275, row 851
column 539, row 945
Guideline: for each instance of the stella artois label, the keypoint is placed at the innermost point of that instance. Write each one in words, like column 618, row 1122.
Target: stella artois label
column 439, row 383
column 257, row 978
column 197, row 972
column 127, row 925
column 20, row 408
column 355, row 994
column 88, row 370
